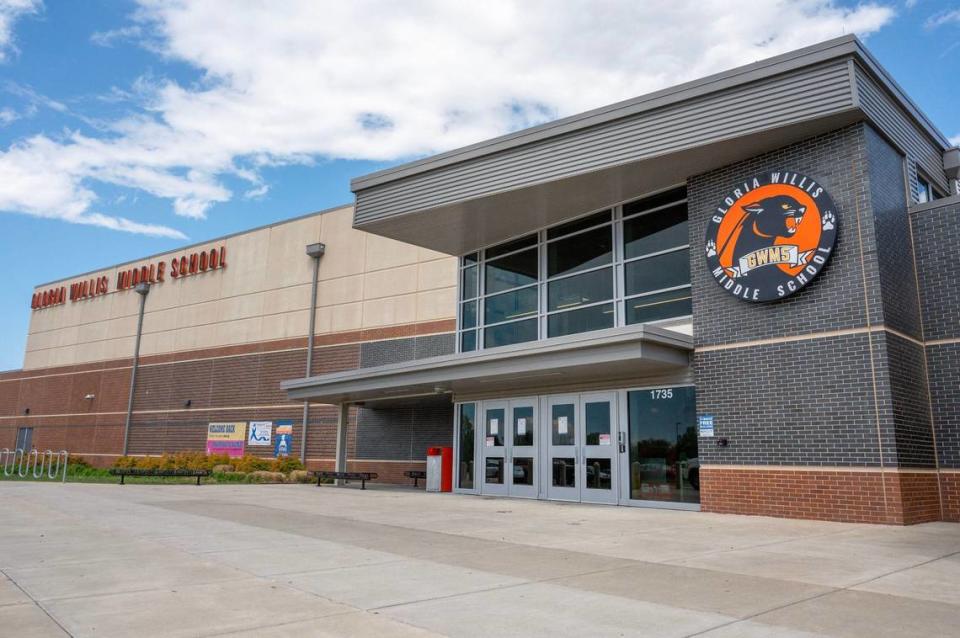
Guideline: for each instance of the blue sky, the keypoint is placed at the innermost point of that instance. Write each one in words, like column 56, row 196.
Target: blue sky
column 128, row 128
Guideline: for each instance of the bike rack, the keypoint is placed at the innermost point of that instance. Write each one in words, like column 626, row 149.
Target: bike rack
column 39, row 464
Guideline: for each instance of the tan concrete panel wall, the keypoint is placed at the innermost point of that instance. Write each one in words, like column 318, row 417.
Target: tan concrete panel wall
column 366, row 281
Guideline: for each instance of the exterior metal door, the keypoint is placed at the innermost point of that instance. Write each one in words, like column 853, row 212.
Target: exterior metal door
column 597, row 432
column 493, row 449
column 563, row 453
column 523, row 440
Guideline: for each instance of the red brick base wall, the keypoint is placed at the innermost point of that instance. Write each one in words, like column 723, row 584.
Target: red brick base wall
column 950, row 484
column 854, row 496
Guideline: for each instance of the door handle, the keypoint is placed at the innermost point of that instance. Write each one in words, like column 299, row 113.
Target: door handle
column 621, row 446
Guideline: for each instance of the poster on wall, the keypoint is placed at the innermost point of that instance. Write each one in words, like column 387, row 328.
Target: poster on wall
column 284, row 439
column 258, row 433
column 226, row 438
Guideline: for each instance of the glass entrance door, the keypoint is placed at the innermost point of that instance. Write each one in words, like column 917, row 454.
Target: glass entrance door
column 522, row 451
column 598, row 434
column 563, row 452
column 493, row 448
column 509, row 448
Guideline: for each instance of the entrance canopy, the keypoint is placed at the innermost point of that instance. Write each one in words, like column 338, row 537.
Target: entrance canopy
column 617, row 354
column 462, row 200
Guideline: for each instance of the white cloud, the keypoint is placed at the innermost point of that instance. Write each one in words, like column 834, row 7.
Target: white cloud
column 955, row 140
column 10, row 11
column 942, row 18
column 109, row 38
column 296, row 81
column 8, row 116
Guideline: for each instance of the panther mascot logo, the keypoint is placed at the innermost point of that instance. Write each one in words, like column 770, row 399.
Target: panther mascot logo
column 771, row 235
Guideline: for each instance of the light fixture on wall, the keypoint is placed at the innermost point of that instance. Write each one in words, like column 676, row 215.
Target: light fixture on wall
column 26, row 410
column 89, row 397
column 188, row 403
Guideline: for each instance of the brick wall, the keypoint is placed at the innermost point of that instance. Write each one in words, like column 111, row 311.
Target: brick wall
column 237, row 383
column 936, row 233
column 849, row 496
column 851, row 392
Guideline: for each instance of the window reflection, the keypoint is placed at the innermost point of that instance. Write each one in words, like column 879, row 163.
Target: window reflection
column 468, row 412
column 664, row 463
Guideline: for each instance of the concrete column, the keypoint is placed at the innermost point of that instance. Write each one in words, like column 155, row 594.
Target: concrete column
column 343, row 422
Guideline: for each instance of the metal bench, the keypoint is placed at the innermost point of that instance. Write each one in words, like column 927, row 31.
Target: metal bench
column 363, row 477
column 416, row 475
column 124, row 472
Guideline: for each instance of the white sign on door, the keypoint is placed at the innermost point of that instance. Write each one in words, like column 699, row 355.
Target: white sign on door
column 562, row 426
column 494, row 426
column 521, row 426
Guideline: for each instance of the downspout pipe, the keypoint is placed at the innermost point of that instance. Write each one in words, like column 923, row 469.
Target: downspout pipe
column 315, row 252
column 142, row 289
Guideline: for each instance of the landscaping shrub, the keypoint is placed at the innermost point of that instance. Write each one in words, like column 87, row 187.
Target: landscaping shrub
column 261, row 476
column 247, row 463
column 286, row 464
column 300, row 476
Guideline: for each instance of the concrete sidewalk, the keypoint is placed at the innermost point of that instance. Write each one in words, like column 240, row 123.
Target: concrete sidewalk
column 297, row 560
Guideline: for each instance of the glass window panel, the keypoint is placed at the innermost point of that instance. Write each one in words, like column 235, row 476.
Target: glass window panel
column 655, row 201
column 494, row 428
column 656, row 273
column 468, row 288
column 468, row 341
column 663, row 305
column 494, row 470
column 578, row 224
column 523, row 425
column 511, row 271
column 468, row 413
column 510, row 246
column 569, row 292
column 923, row 190
column 597, row 422
column 510, row 305
column 468, row 314
column 470, row 259
column 582, row 320
column 664, row 465
column 655, row 232
column 598, row 474
column 507, row 333
column 564, row 472
column 522, row 470
column 563, row 424
column 586, row 250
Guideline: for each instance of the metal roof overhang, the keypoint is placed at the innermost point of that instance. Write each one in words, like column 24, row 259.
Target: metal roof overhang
column 462, row 200
column 615, row 354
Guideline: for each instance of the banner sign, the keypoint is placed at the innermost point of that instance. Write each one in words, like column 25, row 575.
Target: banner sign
column 259, row 433
column 226, row 438
column 770, row 236
column 284, row 439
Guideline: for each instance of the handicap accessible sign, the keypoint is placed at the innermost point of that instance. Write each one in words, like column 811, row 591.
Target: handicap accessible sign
column 284, row 439
column 705, row 424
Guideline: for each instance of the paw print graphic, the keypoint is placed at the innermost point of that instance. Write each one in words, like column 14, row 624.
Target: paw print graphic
column 711, row 248
column 829, row 221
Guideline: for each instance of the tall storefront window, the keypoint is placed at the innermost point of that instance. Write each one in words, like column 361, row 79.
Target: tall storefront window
column 662, row 439
column 465, row 445
column 624, row 265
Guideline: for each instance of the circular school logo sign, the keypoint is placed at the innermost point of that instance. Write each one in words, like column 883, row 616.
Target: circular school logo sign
column 770, row 236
